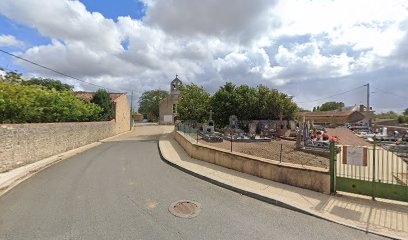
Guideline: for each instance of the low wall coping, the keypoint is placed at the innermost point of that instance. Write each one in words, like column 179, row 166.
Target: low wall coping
column 53, row 123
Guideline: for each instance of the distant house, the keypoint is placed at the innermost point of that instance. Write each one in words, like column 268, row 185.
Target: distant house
column 368, row 114
column 138, row 117
column 332, row 117
column 121, row 108
column 351, row 114
column 168, row 106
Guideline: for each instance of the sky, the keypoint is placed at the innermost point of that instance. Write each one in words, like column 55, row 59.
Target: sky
column 315, row 51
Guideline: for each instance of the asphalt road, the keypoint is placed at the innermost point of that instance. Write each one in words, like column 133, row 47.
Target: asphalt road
column 122, row 190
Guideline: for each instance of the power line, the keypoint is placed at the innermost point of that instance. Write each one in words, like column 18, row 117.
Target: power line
column 390, row 93
column 55, row 71
column 333, row 95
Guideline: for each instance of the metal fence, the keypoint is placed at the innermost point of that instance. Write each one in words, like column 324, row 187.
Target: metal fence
column 275, row 149
column 372, row 171
column 382, row 166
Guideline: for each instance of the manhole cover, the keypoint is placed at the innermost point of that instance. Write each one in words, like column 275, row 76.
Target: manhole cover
column 185, row 209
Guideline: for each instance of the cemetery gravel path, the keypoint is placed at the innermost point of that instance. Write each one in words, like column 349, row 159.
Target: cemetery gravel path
column 122, row 189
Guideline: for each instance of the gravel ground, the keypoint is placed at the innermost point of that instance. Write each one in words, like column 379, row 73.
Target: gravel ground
column 271, row 150
column 347, row 137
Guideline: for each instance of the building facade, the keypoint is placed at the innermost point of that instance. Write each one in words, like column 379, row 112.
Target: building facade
column 168, row 106
column 121, row 105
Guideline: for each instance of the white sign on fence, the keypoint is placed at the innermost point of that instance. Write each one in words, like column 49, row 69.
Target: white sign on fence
column 168, row 118
column 355, row 155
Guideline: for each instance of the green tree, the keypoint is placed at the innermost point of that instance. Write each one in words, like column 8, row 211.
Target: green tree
column 194, row 103
column 223, row 104
column 249, row 103
column 282, row 106
column 387, row 115
column 49, row 84
column 103, row 99
column 263, row 109
column 11, row 77
column 405, row 112
column 330, row 106
column 246, row 100
column 34, row 104
column 302, row 110
column 149, row 103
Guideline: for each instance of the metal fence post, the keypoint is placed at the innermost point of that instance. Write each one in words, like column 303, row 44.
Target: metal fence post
column 373, row 182
column 280, row 155
column 231, row 142
column 332, row 167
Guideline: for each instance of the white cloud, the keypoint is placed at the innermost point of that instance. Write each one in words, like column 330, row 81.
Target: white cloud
column 65, row 20
column 266, row 42
column 241, row 20
column 10, row 41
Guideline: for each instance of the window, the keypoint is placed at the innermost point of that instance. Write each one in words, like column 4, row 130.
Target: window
column 174, row 108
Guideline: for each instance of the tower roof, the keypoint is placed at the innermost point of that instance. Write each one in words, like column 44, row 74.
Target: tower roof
column 176, row 79
column 175, row 84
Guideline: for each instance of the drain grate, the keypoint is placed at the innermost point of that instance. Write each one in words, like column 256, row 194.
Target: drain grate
column 185, row 208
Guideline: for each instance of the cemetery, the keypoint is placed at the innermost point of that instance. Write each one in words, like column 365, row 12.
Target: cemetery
column 263, row 138
column 266, row 123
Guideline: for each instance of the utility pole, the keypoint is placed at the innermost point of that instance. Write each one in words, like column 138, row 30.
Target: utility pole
column 131, row 110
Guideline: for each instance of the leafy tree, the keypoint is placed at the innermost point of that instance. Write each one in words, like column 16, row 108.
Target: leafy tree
column 194, row 103
column 246, row 100
column 33, row 104
column 12, row 77
column 49, row 84
column 405, row 112
column 302, row 110
column 263, row 110
column 103, row 99
column 387, row 115
column 249, row 103
column 149, row 103
column 330, row 106
column 314, row 109
column 282, row 105
column 223, row 104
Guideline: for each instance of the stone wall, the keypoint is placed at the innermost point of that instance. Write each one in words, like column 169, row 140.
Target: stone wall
column 21, row 144
column 122, row 114
column 300, row 176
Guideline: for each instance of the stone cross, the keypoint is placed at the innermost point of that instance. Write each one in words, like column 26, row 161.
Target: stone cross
column 211, row 113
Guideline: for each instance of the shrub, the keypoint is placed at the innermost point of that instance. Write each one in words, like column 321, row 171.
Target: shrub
column 33, row 104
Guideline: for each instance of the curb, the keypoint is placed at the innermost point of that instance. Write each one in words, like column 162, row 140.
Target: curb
column 264, row 198
column 16, row 180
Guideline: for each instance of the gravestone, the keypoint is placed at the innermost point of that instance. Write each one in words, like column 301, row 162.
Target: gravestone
column 252, row 129
column 233, row 122
column 209, row 128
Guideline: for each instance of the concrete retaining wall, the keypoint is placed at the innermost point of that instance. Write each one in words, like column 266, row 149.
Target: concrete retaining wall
column 312, row 178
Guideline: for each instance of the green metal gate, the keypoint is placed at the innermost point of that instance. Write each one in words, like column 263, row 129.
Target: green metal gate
column 375, row 172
